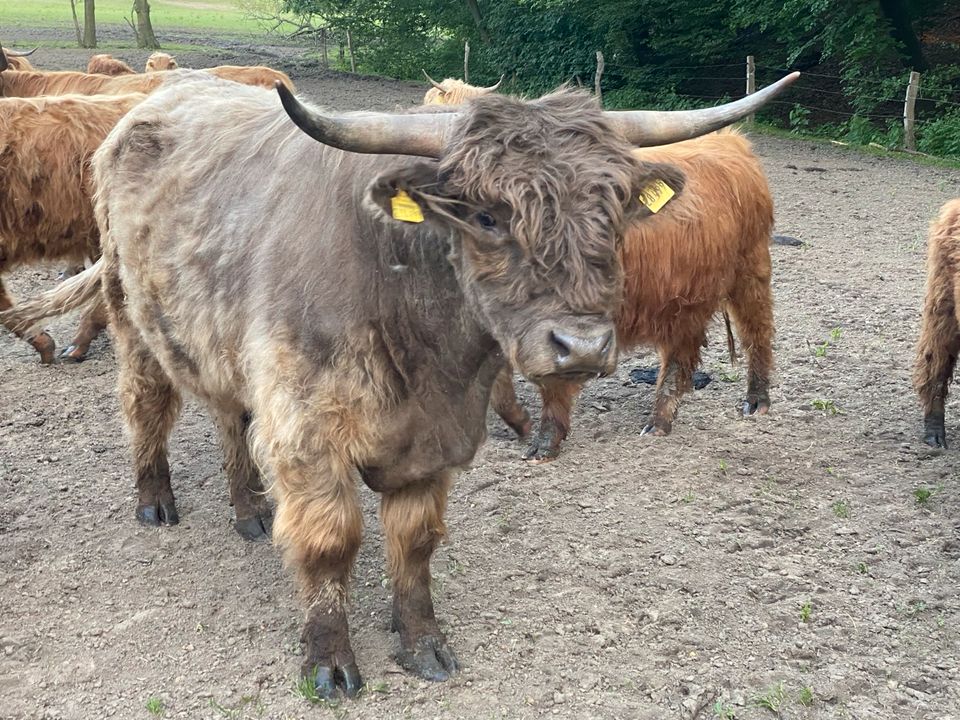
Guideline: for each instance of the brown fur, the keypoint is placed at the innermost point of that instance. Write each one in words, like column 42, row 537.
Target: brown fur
column 33, row 84
column 108, row 65
column 704, row 251
column 46, row 213
column 160, row 61
column 939, row 341
column 375, row 363
column 453, row 92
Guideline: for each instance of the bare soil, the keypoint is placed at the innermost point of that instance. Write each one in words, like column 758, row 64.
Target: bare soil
column 717, row 572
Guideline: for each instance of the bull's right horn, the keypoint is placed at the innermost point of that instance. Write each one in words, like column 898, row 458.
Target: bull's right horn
column 433, row 82
column 662, row 127
column 381, row 133
column 493, row 87
column 12, row 53
column 3, row 60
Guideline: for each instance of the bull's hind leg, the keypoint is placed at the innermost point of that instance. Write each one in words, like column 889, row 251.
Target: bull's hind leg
column 92, row 324
column 937, row 347
column 318, row 524
column 42, row 342
column 751, row 305
column 413, row 523
column 675, row 378
column 150, row 405
column 558, row 399
column 254, row 515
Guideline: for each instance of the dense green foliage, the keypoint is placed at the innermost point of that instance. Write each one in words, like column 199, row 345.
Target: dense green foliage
column 672, row 53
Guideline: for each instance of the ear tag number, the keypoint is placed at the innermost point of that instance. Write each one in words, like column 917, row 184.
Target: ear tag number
column 655, row 195
column 403, row 208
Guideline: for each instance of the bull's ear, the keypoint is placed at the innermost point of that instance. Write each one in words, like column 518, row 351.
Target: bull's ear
column 658, row 186
column 402, row 193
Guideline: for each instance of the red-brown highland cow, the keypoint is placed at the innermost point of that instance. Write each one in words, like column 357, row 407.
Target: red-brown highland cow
column 104, row 64
column 160, row 61
column 939, row 341
column 18, row 60
column 454, row 92
column 705, row 251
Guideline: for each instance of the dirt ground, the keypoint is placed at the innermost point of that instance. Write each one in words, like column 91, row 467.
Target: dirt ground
column 780, row 566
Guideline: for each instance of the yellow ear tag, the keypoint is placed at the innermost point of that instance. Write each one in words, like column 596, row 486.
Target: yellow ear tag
column 656, row 195
column 403, row 208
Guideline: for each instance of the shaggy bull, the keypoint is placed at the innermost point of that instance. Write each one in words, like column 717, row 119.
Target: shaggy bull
column 18, row 60
column 703, row 252
column 45, row 208
column 357, row 307
column 939, row 342
column 159, row 61
column 108, row 65
column 33, row 84
column 454, row 92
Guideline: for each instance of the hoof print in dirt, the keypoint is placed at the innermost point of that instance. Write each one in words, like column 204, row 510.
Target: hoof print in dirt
column 786, row 241
column 648, row 376
column 431, row 658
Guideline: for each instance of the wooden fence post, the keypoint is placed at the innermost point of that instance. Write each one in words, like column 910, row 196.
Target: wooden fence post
column 323, row 44
column 353, row 62
column 909, row 134
column 466, row 61
column 596, row 80
column 751, row 81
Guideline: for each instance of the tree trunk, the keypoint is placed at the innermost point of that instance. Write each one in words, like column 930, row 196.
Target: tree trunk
column 89, row 24
column 898, row 13
column 76, row 22
column 478, row 21
column 145, row 36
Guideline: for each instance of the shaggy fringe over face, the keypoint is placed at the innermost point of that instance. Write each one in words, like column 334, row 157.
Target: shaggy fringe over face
column 564, row 176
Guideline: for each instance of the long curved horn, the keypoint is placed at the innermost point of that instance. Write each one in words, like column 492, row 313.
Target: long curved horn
column 433, row 82
column 382, row 133
column 493, row 87
column 652, row 127
column 3, row 60
column 12, row 53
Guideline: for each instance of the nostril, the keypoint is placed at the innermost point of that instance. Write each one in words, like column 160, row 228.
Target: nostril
column 561, row 344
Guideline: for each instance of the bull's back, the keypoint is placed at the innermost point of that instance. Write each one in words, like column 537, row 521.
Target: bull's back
column 680, row 263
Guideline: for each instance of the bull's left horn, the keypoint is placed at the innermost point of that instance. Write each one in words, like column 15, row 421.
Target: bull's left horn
column 380, row 133
column 662, row 127
column 433, row 82
column 12, row 53
column 3, row 60
column 493, row 87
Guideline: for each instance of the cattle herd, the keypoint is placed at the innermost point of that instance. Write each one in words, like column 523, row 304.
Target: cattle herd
column 448, row 245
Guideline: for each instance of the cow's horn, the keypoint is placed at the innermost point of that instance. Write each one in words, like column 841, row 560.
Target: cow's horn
column 495, row 85
column 653, row 127
column 381, row 133
column 433, row 82
column 3, row 60
column 12, row 53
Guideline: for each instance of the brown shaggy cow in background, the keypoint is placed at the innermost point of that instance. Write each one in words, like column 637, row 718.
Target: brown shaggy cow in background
column 705, row 251
column 160, row 61
column 939, row 341
column 108, row 65
column 454, row 92
column 46, row 212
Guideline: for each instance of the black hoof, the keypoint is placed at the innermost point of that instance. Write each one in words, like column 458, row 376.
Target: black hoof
column 328, row 680
column 540, row 452
column 255, row 528
column 655, row 430
column 162, row 513
column 755, row 407
column 431, row 659
column 936, row 439
column 70, row 354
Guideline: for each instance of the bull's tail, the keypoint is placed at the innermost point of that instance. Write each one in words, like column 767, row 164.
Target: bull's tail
column 731, row 343
column 67, row 296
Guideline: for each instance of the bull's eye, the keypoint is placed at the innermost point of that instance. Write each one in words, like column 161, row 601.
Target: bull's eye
column 486, row 221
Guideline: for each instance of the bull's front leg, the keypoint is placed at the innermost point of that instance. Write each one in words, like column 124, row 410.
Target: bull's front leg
column 318, row 524
column 673, row 381
column 503, row 399
column 558, row 399
column 413, row 523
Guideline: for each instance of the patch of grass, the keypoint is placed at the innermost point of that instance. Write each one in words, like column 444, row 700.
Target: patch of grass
column 771, row 700
column 805, row 696
column 729, row 377
column 821, row 349
column 723, row 711
column 862, row 568
column 841, row 508
column 222, row 15
column 155, row 706
column 923, row 495
column 723, row 467
column 835, row 335
column 252, row 702
column 913, row 608
column 377, row 687
column 827, row 406
column 806, row 611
